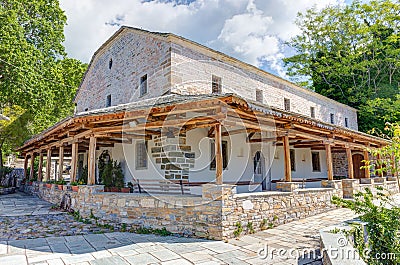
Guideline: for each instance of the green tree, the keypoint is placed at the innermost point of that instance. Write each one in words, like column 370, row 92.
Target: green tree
column 349, row 53
column 36, row 77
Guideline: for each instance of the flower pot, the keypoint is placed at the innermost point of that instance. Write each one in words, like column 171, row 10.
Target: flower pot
column 74, row 188
column 30, row 183
column 125, row 190
column 114, row 189
column 48, row 185
column 106, row 189
column 60, row 187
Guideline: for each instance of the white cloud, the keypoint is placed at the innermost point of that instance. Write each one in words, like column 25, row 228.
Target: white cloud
column 251, row 30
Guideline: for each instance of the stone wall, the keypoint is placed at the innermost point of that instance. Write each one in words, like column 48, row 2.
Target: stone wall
column 132, row 55
column 183, row 214
column 174, row 156
column 192, row 70
column 340, row 165
column 264, row 209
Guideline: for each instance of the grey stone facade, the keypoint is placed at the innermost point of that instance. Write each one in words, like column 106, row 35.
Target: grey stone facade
column 175, row 65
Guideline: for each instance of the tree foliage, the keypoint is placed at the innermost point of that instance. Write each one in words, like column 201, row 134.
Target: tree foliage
column 350, row 53
column 37, row 80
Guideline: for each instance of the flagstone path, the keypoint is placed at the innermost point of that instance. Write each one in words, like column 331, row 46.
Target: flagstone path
column 49, row 246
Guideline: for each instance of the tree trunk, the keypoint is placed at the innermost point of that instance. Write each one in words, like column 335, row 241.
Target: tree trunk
column 1, row 158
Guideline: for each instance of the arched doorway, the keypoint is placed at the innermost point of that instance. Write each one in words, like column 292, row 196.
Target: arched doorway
column 259, row 171
column 357, row 163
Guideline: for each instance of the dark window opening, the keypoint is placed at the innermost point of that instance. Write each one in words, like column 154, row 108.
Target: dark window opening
column 316, row 165
column 259, row 96
column 292, row 160
column 286, row 103
column 86, row 109
column 143, row 85
column 332, row 118
column 312, row 112
column 224, row 155
column 216, row 84
column 346, row 122
column 141, row 155
column 110, row 64
column 108, row 101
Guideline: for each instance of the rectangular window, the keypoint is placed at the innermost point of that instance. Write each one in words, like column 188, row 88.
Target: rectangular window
column 332, row 118
column 312, row 112
column 316, row 165
column 346, row 122
column 141, row 155
column 143, row 85
column 259, row 96
column 224, row 154
column 108, row 101
column 286, row 103
column 292, row 160
column 216, row 84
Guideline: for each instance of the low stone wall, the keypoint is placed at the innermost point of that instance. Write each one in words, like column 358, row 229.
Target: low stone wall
column 181, row 214
column 213, row 215
column 265, row 209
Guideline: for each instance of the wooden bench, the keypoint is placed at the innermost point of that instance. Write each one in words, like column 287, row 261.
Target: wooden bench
column 161, row 186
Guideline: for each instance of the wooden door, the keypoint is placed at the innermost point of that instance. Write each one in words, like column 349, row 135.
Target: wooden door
column 357, row 163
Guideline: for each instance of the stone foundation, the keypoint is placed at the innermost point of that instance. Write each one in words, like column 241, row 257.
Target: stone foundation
column 213, row 215
column 287, row 186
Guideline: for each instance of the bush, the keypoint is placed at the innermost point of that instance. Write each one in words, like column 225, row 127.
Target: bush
column 383, row 225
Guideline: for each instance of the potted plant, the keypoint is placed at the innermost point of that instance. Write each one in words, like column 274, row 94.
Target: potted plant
column 60, row 183
column 74, row 186
column 49, row 183
column 125, row 189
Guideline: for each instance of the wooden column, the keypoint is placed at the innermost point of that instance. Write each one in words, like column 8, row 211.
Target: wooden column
column 48, row 165
column 394, row 165
column 40, row 170
column 366, row 158
column 74, row 160
column 218, row 155
column 286, row 151
column 60, row 163
column 32, row 170
column 26, row 166
column 329, row 162
column 92, row 161
column 349, row 163
column 378, row 164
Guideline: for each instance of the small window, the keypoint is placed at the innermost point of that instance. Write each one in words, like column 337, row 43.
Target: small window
column 292, row 160
column 346, row 122
column 312, row 112
column 110, row 64
column 316, row 165
column 259, row 96
column 332, row 118
column 141, row 155
column 108, row 101
column 216, row 84
column 224, row 154
column 286, row 103
column 143, row 85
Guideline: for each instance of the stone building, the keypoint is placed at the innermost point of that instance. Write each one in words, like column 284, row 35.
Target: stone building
column 204, row 138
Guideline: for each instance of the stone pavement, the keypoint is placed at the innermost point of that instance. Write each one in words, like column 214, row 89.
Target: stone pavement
column 128, row 248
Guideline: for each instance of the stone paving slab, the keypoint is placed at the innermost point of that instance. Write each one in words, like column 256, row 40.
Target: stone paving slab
column 49, row 246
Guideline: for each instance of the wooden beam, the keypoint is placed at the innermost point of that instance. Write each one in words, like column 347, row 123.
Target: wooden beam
column 366, row 158
column 210, row 132
column 60, row 162
column 92, row 161
column 26, row 166
column 40, row 170
column 218, row 155
column 32, row 170
column 350, row 163
column 286, row 151
column 329, row 161
column 48, row 165
column 74, row 160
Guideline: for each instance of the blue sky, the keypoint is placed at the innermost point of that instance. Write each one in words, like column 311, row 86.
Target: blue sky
column 251, row 30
